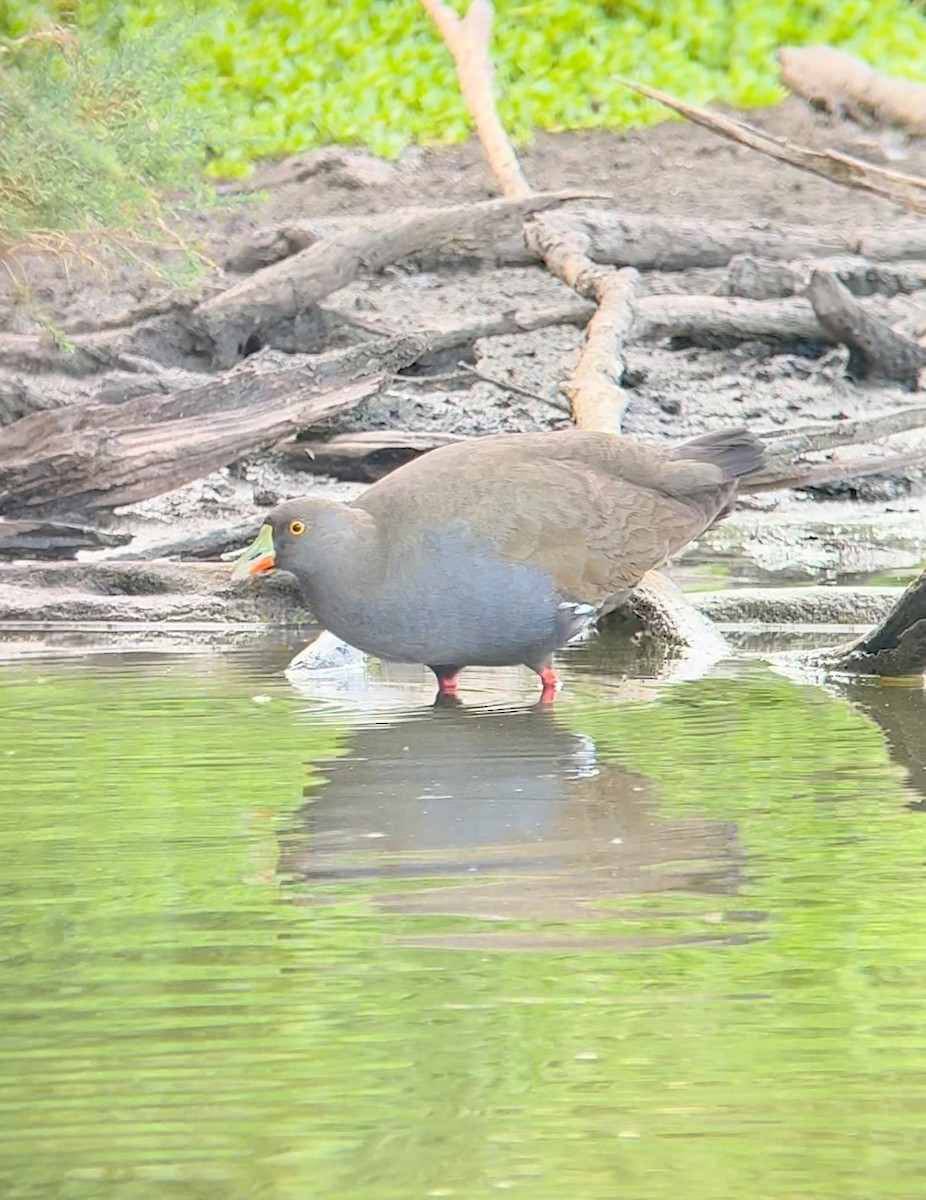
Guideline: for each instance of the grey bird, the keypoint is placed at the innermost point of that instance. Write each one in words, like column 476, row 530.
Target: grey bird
column 502, row 549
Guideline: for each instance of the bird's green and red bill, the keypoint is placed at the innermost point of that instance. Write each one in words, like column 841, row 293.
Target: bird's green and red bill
column 259, row 556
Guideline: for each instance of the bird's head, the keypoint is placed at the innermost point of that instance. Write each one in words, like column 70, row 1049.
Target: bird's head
column 282, row 536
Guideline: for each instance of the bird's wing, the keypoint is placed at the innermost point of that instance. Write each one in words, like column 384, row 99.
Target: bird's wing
column 596, row 535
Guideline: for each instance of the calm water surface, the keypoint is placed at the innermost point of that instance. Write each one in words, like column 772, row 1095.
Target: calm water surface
column 661, row 942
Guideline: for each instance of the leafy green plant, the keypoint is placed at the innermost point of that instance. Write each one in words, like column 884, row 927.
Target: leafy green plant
column 91, row 133
column 242, row 80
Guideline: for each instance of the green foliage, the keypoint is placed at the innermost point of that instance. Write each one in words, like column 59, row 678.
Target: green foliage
column 282, row 75
column 252, row 79
column 91, row 132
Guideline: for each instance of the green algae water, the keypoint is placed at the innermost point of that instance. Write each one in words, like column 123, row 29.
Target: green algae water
column 660, row 942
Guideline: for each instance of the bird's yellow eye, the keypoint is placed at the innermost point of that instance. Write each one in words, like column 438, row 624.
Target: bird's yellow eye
column 297, row 528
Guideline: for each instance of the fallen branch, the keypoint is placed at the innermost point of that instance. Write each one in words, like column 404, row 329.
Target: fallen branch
column 676, row 244
column 782, row 474
column 515, row 389
column 467, row 39
column 810, row 438
column 594, row 390
column 847, row 87
column 720, row 317
column 598, row 401
column 907, row 191
column 875, row 349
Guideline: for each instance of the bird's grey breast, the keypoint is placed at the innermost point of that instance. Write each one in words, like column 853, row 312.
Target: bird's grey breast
column 446, row 595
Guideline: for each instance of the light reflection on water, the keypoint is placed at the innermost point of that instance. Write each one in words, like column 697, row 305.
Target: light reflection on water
column 663, row 940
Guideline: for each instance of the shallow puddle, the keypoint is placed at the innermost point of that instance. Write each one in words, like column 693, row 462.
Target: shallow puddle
column 270, row 939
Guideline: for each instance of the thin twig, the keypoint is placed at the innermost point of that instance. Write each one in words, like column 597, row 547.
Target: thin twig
column 907, row 191
column 506, row 386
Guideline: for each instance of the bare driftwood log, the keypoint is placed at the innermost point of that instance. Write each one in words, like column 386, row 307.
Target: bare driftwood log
column 875, row 349
column 53, row 539
column 676, row 244
column 363, row 456
column 248, row 312
column 895, row 648
column 616, row 238
column 96, row 456
column 907, row 191
column 847, row 87
column 722, row 317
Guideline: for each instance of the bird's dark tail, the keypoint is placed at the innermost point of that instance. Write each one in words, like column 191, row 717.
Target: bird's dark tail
column 736, row 452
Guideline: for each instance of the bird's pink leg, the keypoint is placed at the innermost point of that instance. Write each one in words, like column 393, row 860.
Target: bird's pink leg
column 447, row 685
column 550, row 685
column 447, row 680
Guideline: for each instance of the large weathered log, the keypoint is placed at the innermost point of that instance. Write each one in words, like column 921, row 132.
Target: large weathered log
column 875, row 349
column 618, row 238
column 652, row 243
column 96, row 456
column 247, row 312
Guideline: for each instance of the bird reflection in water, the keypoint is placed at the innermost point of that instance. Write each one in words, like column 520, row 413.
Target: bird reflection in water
column 518, row 820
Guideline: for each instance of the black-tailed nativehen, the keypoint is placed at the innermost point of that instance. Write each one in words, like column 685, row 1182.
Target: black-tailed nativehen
column 502, row 549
